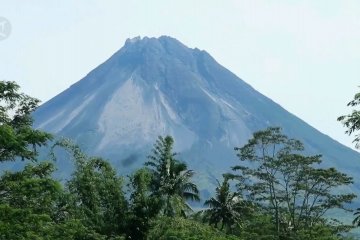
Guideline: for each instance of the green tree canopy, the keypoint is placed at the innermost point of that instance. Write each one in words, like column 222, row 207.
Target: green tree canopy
column 175, row 228
column 96, row 193
column 17, row 137
column 144, row 206
column 292, row 187
column 34, row 206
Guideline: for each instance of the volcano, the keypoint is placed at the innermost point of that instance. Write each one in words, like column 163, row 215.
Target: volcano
column 158, row 86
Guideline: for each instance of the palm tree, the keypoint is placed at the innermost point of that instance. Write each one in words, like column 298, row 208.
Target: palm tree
column 177, row 189
column 225, row 208
column 171, row 181
column 356, row 220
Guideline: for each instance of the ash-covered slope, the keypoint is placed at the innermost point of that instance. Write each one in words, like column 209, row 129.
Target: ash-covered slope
column 158, row 86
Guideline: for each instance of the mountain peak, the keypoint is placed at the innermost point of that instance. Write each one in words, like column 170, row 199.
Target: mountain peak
column 162, row 45
column 151, row 40
column 132, row 40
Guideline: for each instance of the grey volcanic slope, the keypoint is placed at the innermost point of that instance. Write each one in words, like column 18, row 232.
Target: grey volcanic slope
column 158, row 86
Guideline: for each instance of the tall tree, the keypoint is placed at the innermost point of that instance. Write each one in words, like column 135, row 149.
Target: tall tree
column 96, row 193
column 144, row 207
column 171, row 180
column 352, row 123
column 289, row 185
column 17, row 137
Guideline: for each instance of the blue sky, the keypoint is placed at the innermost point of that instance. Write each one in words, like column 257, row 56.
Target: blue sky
column 305, row 55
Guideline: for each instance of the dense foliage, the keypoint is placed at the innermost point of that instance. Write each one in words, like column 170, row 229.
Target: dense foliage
column 275, row 192
column 176, row 228
column 16, row 132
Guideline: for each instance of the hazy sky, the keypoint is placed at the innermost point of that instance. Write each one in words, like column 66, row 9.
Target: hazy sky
column 305, row 55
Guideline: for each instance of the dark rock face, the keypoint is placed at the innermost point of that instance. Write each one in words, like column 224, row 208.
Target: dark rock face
column 158, row 86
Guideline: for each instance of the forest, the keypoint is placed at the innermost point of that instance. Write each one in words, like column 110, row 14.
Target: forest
column 276, row 191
